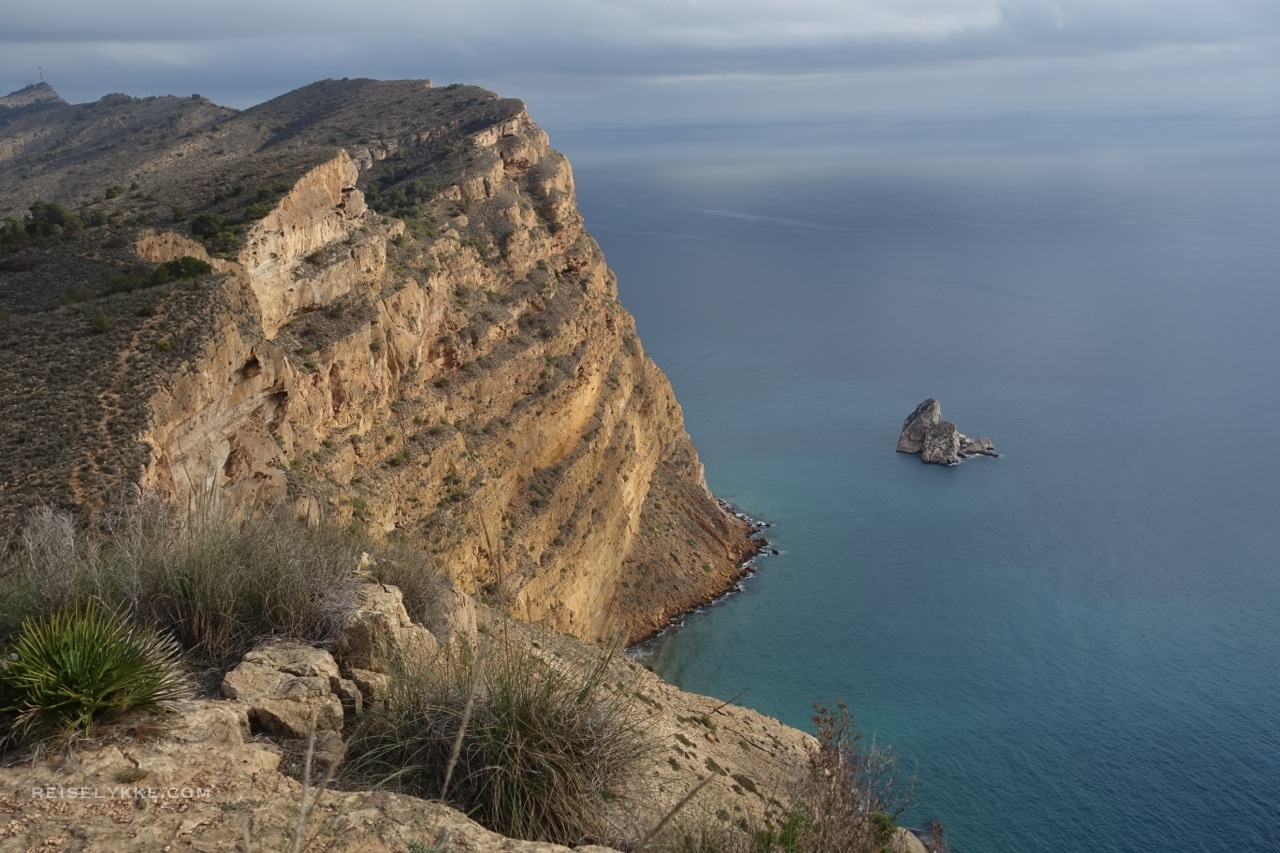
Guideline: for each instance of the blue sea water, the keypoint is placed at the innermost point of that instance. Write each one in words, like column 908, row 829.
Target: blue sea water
column 1076, row 645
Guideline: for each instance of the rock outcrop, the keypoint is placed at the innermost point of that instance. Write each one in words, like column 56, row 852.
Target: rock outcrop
column 37, row 93
column 196, row 779
column 380, row 631
column 290, row 690
column 925, row 432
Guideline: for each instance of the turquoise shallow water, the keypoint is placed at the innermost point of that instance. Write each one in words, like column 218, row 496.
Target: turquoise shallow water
column 1077, row 644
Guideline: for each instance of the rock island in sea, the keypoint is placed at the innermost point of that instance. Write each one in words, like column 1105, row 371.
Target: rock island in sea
column 926, row 433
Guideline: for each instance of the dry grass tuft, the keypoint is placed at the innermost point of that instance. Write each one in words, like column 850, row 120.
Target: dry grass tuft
column 523, row 747
column 219, row 586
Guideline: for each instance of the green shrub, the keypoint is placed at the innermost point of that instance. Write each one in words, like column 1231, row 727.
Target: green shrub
column 184, row 267
column 76, row 293
column 71, row 667
column 542, row 752
column 44, row 220
column 187, row 267
column 208, row 224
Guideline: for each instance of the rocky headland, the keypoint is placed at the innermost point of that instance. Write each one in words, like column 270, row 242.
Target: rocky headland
column 926, row 433
column 370, row 304
column 404, row 325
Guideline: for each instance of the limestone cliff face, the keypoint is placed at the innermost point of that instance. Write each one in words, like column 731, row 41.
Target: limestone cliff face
column 461, row 374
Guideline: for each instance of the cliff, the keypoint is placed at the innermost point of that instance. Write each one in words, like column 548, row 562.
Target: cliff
column 404, row 324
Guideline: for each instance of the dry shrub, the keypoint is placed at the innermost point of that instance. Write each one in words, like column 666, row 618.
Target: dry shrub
column 848, row 801
column 853, row 795
column 217, row 584
column 427, row 592
column 526, row 748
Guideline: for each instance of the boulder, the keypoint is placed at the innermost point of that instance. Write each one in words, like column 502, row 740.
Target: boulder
column 976, row 446
column 330, row 750
column 291, row 690
column 379, row 633
column 456, row 621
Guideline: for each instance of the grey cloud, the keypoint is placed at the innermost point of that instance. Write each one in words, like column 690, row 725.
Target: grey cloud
column 654, row 49
column 711, row 25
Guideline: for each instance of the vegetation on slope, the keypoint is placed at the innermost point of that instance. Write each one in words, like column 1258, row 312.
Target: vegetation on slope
column 73, row 666
column 218, row 585
column 525, row 748
column 530, row 745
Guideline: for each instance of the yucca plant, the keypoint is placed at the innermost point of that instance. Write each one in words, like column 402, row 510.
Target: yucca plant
column 70, row 667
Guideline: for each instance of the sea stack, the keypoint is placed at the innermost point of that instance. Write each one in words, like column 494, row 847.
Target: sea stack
column 925, row 432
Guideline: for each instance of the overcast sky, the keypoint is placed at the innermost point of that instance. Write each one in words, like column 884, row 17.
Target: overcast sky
column 656, row 61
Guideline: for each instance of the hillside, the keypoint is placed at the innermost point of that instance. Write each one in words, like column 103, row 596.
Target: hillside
column 364, row 300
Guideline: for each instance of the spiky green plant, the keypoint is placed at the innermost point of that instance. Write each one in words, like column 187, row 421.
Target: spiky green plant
column 70, row 667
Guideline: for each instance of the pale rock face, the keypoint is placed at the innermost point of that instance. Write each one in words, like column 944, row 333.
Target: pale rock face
column 467, row 381
column 457, row 623
column 38, row 93
column 380, row 632
column 322, row 208
column 577, row 405
column 917, row 424
column 941, row 444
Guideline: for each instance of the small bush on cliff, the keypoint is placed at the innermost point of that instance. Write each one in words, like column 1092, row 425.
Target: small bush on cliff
column 184, row 267
column 521, row 746
column 849, row 801
column 853, row 795
column 71, row 667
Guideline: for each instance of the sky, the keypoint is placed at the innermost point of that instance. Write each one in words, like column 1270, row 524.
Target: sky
column 676, row 61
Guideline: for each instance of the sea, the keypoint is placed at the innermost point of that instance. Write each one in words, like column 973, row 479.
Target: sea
column 1076, row 646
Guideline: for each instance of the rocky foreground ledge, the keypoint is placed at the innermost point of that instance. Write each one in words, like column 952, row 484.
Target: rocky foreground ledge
column 239, row 772
column 925, row 432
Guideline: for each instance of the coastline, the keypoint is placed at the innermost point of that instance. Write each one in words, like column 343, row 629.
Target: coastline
column 759, row 547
